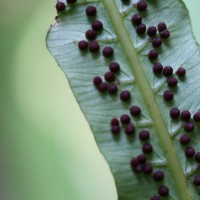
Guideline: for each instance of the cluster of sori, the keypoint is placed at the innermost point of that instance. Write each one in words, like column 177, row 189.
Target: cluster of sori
column 109, row 83
column 125, row 119
column 157, row 34
column 185, row 138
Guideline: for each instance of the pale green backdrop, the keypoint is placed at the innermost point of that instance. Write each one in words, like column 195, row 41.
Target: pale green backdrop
column 46, row 148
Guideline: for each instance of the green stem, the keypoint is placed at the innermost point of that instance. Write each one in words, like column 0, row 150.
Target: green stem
column 150, row 100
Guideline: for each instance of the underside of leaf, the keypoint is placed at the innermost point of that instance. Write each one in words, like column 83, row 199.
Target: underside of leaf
column 131, row 51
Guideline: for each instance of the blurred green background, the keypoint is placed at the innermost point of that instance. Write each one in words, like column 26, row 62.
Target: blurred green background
column 47, row 151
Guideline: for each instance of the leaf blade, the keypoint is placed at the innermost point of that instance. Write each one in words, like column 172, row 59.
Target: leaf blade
column 105, row 142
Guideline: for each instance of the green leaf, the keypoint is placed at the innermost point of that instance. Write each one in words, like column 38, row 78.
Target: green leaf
column 130, row 51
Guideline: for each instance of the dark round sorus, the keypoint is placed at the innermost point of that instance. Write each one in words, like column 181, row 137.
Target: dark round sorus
column 90, row 34
column 141, row 5
column 181, row 72
column 163, row 191
column 71, row 1
column 135, row 111
column 151, row 31
column 156, row 42
column 172, row 82
column 167, row 71
column 60, row 6
column 147, row 148
column 125, row 95
column 114, row 67
column 196, row 180
column 136, row 19
column 155, row 197
column 112, row 88
column 185, row 139
column 138, row 169
column 91, row 11
column 114, row 122
column 108, row 52
column 197, row 157
column 158, row 175
column 165, row 34
column 196, row 117
column 83, row 45
column 141, row 29
column 174, row 113
column 97, row 25
column 188, row 126
column 97, row 80
column 153, row 54
column 94, row 47
column 130, row 129
column 157, row 68
column 109, row 76
column 115, row 129
column 185, row 115
column 125, row 119
column 168, row 95
column 102, row 87
column 162, row 26
column 144, row 135
column 189, row 152
column 142, row 158
column 134, row 162
column 147, row 169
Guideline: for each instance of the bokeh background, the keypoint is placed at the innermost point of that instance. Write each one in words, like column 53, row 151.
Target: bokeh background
column 47, row 151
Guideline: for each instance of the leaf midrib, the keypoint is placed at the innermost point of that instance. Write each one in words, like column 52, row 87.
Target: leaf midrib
column 150, row 100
